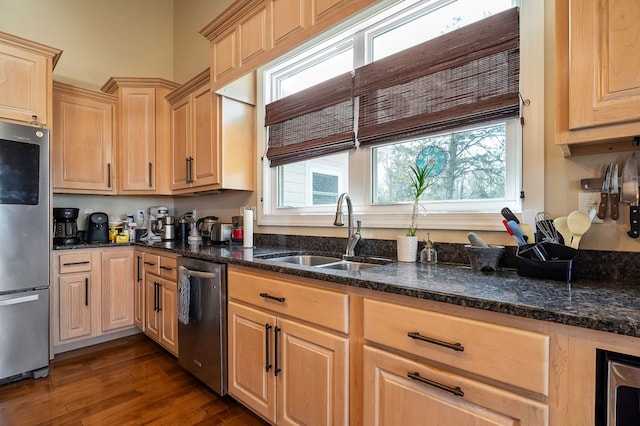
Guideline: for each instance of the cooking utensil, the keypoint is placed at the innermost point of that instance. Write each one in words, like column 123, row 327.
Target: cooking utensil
column 560, row 223
column 517, row 232
column 630, row 193
column 614, row 195
column 579, row 223
column 604, row 193
column 544, row 225
column 527, row 231
column 508, row 215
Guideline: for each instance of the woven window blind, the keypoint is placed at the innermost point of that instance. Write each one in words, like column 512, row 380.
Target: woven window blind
column 467, row 76
column 311, row 123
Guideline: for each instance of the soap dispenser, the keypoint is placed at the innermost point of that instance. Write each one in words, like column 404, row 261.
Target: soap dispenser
column 428, row 254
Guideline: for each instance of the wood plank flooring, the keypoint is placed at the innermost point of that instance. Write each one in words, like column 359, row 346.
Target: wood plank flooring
column 129, row 381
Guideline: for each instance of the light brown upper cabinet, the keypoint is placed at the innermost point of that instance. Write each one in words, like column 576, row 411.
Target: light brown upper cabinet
column 143, row 134
column 250, row 33
column 597, row 78
column 212, row 139
column 25, row 79
column 83, row 141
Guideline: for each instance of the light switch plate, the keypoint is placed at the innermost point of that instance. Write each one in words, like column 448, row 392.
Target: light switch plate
column 589, row 200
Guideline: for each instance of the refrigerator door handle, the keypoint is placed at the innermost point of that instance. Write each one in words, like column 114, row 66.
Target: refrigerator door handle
column 18, row 300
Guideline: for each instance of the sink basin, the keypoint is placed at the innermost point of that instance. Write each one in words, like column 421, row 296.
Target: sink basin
column 306, row 259
column 348, row 265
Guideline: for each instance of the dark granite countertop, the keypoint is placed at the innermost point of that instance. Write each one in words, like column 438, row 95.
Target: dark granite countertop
column 604, row 305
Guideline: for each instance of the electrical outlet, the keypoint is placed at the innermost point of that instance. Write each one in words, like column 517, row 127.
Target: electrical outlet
column 588, row 201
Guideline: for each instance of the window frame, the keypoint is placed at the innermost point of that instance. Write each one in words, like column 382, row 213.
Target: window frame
column 398, row 215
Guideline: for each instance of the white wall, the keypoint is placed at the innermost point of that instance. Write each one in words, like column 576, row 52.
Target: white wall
column 99, row 39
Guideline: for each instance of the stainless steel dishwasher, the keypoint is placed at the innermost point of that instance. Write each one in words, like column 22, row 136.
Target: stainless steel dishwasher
column 202, row 321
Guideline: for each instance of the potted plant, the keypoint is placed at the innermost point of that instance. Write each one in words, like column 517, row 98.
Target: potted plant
column 407, row 245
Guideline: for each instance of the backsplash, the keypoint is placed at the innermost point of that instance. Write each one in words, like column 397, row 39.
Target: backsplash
column 588, row 264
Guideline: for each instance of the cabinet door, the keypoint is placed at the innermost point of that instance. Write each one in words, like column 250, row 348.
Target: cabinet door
column 250, row 355
column 75, row 306
column 168, row 315
column 396, row 392
column 23, row 84
column 138, row 292
column 224, row 55
column 289, row 18
column 83, row 128
column 117, row 289
column 152, row 316
column 180, row 139
column 313, row 384
column 137, row 139
column 204, row 137
column 604, row 83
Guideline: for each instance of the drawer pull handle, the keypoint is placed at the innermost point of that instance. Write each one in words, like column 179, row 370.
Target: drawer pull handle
column 86, row 262
column 267, row 364
column 455, row 346
column 268, row 296
column 166, row 268
column 149, row 263
column 457, row 391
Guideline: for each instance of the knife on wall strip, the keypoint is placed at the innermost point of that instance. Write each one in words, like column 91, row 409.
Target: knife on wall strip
column 614, row 196
column 604, row 193
column 630, row 193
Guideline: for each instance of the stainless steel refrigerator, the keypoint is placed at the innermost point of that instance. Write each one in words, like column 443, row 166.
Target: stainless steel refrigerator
column 24, row 252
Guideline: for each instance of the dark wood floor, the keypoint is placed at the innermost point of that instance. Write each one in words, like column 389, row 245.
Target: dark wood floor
column 130, row 381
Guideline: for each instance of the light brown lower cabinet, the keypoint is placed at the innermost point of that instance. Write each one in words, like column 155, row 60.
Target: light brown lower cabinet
column 289, row 371
column 117, row 289
column 139, row 292
column 92, row 295
column 401, row 391
column 161, row 311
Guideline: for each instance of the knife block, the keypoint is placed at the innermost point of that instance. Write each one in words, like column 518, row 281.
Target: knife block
column 558, row 266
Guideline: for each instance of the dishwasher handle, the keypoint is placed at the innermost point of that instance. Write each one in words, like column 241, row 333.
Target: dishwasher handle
column 198, row 274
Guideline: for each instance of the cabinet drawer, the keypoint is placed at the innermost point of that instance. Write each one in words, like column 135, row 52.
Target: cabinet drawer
column 508, row 355
column 326, row 308
column 400, row 391
column 168, row 268
column 75, row 262
column 151, row 263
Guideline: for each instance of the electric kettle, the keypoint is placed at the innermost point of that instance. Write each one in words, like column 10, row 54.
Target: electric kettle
column 204, row 225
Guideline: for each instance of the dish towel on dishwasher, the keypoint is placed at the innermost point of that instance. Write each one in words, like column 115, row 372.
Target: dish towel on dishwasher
column 184, row 295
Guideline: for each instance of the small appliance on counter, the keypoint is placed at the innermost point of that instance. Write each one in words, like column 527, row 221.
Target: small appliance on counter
column 221, row 232
column 166, row 228
column 205, row 225
column 237, row 235
column 97, row 228
column 65, row 225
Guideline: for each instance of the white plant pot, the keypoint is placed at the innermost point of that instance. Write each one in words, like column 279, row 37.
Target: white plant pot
column 407, row 248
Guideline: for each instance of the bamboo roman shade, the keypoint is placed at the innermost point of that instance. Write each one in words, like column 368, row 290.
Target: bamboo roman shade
column 313, row 122
column 467, row 76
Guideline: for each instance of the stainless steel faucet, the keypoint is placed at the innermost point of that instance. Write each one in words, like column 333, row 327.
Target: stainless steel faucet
column 353, row 234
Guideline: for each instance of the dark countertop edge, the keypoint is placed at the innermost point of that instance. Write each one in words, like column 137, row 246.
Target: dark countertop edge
column 616, row 326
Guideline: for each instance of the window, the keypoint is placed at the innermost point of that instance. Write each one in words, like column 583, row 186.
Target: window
column 480, row 168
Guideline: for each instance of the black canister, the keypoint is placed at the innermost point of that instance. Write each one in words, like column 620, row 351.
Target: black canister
column 183, row 229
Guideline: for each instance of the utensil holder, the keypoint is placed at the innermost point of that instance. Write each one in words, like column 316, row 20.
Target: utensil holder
column 558, row 265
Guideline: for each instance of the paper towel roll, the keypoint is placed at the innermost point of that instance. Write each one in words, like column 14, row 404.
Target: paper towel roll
column 248, row 228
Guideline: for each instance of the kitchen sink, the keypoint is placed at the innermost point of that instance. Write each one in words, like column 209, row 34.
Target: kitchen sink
column 348, row 265
column 306, row 259
column 326, row 262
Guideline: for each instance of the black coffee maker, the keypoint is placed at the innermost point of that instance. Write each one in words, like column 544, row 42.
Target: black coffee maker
column 65, row 226
column 98, row 228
